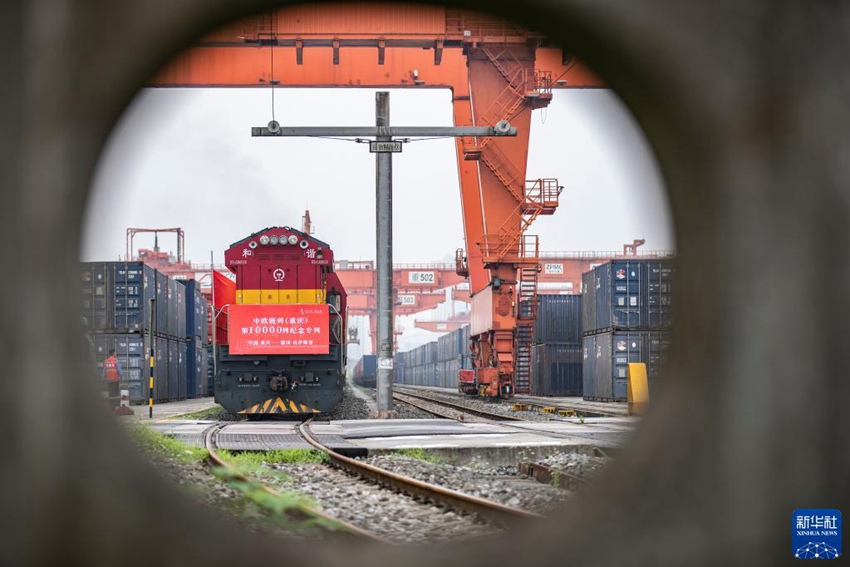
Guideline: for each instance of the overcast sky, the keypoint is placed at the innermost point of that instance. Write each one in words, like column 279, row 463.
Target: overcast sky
column 185, row 158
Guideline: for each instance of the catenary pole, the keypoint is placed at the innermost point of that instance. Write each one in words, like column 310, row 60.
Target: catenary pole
column 384, row 255
column 384, row 146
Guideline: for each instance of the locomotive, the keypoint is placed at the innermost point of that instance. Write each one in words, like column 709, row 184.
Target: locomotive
column 283, row 353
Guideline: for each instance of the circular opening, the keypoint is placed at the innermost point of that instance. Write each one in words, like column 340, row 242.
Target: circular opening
column 588, row 161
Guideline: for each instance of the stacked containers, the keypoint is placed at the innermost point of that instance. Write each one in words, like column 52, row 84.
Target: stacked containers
column 436, row 363
column 625, row 322
column 116, row 301
column 197, row 356
column 556, row 359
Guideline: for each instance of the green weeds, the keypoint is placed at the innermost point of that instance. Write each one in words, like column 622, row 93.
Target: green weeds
column 165, row 446
column 419, row 454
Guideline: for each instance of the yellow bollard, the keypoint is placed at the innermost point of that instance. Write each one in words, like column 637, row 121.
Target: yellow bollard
column 638, row 389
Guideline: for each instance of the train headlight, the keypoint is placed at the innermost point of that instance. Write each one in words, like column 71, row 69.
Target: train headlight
column 304, row 244
column 293, row 239
column 273, row 240
column 264, row 240
column 252, row 244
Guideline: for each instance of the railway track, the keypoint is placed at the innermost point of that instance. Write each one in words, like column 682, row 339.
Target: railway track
column 579, row 406
column 495, row 512
column 446, row 409
column 299, row 512
column 449, row 410
column 447, row 404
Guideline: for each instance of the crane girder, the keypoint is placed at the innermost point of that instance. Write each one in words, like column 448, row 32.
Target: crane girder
column 495, row 69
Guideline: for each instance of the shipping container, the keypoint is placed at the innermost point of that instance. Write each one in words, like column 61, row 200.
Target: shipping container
column 133, row 351
column 588, row 302
column 556, row 369
column 210, row 371
column 182, row 370
column 161, row 323
column 97, row 287
column 196, row 310
column 605, row 358
column 628, row 295
column 173, row 370
column 194, row 370
column 132, row 290
column 659, row 279
column 559, row 319
column 130, row 351
column 366, row 371
column 161, row 369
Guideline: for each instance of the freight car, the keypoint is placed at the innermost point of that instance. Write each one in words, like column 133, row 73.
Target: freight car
column 366, row 371
column 284, row 348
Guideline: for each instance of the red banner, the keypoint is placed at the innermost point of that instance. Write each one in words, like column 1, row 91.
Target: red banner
column 279, row 329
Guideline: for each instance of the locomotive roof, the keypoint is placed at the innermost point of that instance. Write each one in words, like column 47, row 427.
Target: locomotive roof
column 288, row 228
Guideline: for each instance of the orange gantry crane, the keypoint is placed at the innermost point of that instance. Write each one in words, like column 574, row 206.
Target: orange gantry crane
column 495, row 69
column 417, row 288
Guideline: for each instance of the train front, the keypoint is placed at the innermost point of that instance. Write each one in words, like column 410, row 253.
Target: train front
column 283, row 353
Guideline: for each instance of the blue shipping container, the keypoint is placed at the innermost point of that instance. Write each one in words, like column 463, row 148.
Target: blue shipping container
column 559, row 319
column 628, row 295
column 182, row 369
column 196, row 310
column 173, row 370
column 606, row 356
column 556, row 369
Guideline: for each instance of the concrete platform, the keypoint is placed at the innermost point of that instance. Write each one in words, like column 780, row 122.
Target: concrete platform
column 453, row 441
column 171, row 409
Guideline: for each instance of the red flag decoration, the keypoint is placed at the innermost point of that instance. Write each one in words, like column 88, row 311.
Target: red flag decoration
column 279, row 329
column 224, row 290
column 224, row 294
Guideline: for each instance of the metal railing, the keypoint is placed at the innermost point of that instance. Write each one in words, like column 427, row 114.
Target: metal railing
column 520, row 249
column 591, row 254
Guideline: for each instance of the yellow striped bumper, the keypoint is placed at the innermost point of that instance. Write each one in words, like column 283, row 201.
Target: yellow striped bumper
column 278, row 406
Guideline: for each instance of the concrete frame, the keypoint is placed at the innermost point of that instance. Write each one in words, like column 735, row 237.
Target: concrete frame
column 745, row 104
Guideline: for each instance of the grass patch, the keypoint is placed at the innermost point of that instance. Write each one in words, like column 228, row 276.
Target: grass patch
column 418, row 454
column 278, row 456
column 165, row 446
column 255, row 462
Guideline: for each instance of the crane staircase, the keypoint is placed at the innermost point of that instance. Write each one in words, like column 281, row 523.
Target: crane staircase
column 526, row 315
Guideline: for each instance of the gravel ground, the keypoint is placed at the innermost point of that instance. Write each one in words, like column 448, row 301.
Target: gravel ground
column 393, row 516
column 220, row 497
column 501, row 407
column 403, row 411
column 501, row 484
column 351, row 407
column 582, row 466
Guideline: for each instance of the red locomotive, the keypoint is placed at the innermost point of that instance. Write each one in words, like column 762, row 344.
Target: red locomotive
column 284, row 352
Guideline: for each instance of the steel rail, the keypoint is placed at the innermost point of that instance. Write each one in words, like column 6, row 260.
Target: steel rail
column 501, row 419
column 300, row 512
column 409, row 400
column 493, row 511
column 473, row 411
